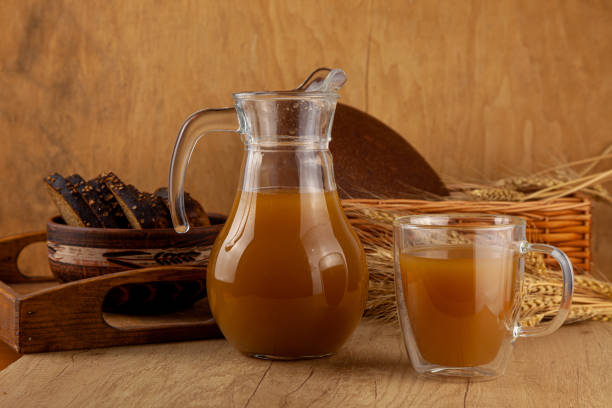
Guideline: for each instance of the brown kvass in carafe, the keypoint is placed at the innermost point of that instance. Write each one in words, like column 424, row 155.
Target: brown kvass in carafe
column 287, row 276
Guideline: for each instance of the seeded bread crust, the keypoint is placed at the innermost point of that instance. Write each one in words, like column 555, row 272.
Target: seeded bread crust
column 195, row 212
column 100, row 208
column 110, row 202
column 143, row 210
column 70, row 203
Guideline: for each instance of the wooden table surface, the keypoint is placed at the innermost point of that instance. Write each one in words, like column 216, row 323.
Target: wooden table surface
column 571, row 368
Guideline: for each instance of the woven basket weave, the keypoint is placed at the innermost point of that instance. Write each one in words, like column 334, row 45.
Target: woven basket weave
column 564, row 222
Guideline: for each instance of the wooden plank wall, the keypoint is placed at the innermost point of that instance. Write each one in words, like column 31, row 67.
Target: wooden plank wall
column 481, row 88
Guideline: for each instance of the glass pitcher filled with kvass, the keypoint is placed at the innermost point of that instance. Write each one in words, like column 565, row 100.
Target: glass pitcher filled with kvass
column 287, row 276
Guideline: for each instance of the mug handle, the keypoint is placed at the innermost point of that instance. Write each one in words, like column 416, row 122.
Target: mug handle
column 566, row 297
column 195, row 126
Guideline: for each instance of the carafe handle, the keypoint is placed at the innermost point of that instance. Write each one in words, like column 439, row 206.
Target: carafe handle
column 195, row 126
column 566, row 296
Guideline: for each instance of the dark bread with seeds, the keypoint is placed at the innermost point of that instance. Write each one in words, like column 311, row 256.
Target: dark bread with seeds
column 110, row 201
column 143, row 210
column 195, row 212
column 70, row 203
column 101, row 208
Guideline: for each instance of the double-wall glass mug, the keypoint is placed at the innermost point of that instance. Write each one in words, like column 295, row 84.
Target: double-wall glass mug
column 287, row 276
column 458, row 286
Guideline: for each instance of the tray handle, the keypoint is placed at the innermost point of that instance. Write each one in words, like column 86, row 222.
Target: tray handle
column 69, row 316
column 10, row 248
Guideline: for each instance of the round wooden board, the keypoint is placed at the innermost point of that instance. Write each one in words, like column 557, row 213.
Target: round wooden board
column 371, row 160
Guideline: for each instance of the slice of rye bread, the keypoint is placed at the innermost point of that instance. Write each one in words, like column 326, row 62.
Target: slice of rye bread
column 70, row 203
column 101, row 208
column 195, row 212
column 110, row 201
column 143, row 210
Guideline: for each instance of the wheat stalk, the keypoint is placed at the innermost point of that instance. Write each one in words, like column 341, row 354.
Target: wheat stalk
column 549, row 184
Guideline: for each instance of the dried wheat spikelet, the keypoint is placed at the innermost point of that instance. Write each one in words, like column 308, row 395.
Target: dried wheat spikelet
column 495, row 194
column 559, row 181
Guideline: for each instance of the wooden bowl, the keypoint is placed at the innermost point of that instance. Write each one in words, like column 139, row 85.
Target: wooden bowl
column 80, row 253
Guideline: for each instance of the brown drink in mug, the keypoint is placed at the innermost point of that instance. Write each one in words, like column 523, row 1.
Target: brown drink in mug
column 458, row 280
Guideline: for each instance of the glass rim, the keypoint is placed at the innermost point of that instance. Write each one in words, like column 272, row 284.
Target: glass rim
column 280, row 95
column 500, row 221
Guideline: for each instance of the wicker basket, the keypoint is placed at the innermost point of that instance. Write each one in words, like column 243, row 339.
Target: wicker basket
column 564, row 222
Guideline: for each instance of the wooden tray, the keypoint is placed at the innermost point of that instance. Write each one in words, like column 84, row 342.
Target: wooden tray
column 40, row 314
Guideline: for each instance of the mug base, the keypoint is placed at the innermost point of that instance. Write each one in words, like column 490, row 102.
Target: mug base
column 460, row 373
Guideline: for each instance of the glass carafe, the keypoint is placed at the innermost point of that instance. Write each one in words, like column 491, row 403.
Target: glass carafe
column 287, row 276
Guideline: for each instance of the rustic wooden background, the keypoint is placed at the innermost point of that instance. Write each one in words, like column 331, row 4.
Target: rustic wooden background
column 481, row 88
